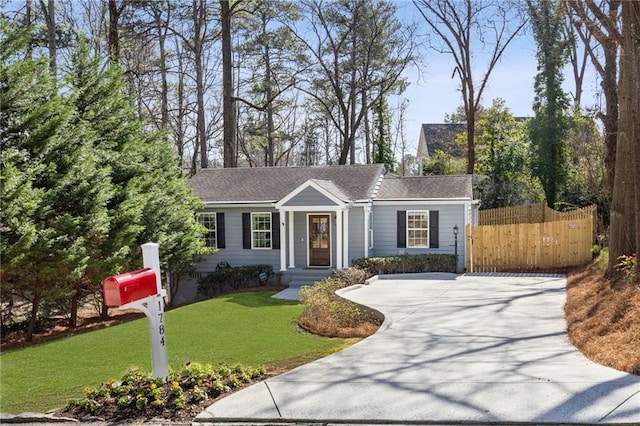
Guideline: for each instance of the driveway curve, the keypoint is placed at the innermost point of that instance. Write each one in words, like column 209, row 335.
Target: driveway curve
column 452, row 349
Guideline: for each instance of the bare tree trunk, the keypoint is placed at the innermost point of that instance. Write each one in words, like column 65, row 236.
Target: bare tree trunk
column 73, row 313
column 623, row 234
column 601, row 21
column 269, row 96
column 471, row 140
column 49, row 12
column 609, row 86
column 113, row 37
column 201, row 127
column 228, row 107
column 367, row 131
column 27, row 23
column 33, row 316
column 162, row 27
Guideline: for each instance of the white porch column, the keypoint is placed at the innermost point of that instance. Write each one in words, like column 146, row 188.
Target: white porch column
column 345, row 227
column 339, row 232
column 366, row 231
column 291, row 242
column 283, row 244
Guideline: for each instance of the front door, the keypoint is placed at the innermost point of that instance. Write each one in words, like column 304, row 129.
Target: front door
column 319, row 240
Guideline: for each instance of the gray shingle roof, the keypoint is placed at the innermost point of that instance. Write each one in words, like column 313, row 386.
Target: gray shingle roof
column 424, row 187
column 442, row 136
column 270, row 184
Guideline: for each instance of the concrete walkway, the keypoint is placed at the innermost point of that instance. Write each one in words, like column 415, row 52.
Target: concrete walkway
column 453, row 349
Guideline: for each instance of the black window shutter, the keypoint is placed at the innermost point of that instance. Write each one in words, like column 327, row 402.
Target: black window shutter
column 275, row 230
column 402, row 228
column 220, row 230
column 433, row 229
column 246, row 230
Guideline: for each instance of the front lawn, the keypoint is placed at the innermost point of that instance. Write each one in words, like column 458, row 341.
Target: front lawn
column 248, row 328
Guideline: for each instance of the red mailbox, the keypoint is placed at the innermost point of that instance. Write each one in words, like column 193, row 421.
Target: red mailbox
column 128, row 287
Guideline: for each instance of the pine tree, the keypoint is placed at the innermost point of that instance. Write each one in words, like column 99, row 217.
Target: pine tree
column 151, row 201
column 53, row 199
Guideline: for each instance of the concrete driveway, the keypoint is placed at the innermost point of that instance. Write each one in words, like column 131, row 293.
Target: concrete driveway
column 473, row 348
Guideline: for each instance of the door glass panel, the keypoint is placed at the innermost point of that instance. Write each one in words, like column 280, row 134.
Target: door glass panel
column 320, row 232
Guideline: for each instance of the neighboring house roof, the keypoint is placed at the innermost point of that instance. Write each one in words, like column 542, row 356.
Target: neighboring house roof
column 271, row 184
column 425, row 187
column 434, row 136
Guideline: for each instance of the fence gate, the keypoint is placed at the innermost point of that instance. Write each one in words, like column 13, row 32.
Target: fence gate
column 554, row 240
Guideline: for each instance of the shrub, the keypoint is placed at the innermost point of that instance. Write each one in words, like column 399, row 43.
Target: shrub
column 351, row 276
column 407, row 264
column 139, row 395
column 629, row 266
column 327, row 314
column 227, row 280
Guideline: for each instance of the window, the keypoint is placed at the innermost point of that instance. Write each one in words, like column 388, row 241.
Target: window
column 260, row 230
column 418, row 228
column 208, row 220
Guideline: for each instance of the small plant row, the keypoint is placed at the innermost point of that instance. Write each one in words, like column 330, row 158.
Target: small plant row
column 138, row 395
column 227, row 280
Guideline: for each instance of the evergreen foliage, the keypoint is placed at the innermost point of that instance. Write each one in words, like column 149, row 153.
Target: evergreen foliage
column 83, row 183
column 549, row 127
column 503, row 160
column 382, row 149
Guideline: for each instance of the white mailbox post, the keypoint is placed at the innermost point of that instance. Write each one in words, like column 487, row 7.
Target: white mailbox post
column 133, row 289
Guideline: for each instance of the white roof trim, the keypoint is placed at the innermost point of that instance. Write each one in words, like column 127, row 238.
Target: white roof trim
column 309, row 184
column 422, row 201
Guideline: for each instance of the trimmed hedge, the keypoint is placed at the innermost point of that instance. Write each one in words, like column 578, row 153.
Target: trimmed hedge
column 227, row 280
column 407, row 264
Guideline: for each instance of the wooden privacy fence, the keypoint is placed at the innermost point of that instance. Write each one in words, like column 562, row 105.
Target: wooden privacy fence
column 565, row 240
column 533, row 213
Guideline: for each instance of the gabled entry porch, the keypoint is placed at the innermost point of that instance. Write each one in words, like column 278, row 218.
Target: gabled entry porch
column 314, row 225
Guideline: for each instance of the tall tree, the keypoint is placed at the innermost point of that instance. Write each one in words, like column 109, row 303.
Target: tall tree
column 503, row 159
column 113, row 40
column 624, row 237
column 271, row 55
column 150, row 200
column 597, row 23
column 54, row 196
column 228, row 101
column 353, row 47
column 49, row 12
column 550, row 125
column 458, row 26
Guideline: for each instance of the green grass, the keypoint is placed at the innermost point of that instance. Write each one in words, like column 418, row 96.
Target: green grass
column 249, row 328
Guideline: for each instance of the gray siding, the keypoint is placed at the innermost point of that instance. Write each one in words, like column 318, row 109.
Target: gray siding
column 385, row 232
column 233, row 252
column 310, row 197
column 356, row 233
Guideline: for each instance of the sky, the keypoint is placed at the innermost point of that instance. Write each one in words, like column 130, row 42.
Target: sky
column 432, row 92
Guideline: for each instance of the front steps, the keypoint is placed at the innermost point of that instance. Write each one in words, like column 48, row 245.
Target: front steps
column 297, row 278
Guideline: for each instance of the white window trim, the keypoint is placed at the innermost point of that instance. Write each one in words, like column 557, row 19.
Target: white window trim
column 427, row 212
column 209, row 230
column 253, row 246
